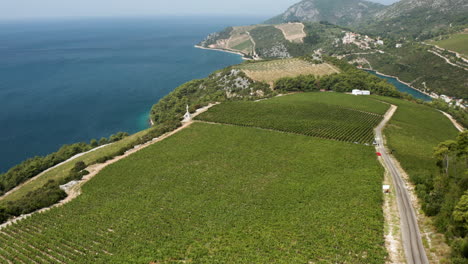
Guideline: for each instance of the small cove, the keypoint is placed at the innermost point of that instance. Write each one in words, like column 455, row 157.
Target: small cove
column 403, row 87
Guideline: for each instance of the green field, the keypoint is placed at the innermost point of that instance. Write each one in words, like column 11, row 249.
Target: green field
column 217, row 194
column 325, row 115
column 456, row 42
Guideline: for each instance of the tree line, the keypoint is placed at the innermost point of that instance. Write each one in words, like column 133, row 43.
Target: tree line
column 445, row 196
column 33, row 166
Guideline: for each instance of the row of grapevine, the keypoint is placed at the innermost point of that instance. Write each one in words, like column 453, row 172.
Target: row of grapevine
column 27, row 242
column 285, row 64
column 318, row 120
column 222, row 194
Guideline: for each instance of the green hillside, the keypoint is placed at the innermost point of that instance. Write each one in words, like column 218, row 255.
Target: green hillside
column 217, row 194
column 455, row 42
column 413, row 64
column 326, row 115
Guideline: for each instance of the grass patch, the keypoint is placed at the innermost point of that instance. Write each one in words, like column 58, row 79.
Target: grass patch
column 325, row 115
column 219, row 194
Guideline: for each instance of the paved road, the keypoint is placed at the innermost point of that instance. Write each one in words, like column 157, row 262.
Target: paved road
column 412, row 242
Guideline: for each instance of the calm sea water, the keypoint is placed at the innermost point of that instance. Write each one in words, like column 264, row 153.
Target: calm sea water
column 403, row 87
column 69, row 81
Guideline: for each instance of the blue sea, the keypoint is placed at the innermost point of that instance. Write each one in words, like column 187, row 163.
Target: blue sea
column 74, row 80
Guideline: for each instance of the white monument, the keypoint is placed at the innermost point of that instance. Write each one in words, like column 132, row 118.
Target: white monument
column 187, row 116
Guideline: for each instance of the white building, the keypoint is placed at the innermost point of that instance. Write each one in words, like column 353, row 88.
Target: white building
column 398, row 45
column 360, row 92
column 380, row 42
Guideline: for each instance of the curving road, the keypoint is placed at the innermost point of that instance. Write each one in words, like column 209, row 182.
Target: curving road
column 412, row 242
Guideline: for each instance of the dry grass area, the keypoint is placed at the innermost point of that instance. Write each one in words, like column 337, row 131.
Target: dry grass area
column 239, row 40
column 293, row 32
column 270, row 71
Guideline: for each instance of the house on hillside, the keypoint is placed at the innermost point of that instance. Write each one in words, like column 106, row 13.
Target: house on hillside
column 360, row 92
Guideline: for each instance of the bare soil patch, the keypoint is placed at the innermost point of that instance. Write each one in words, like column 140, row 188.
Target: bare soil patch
column 294, row 32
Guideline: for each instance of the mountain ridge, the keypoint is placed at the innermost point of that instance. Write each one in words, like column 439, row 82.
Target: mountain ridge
column 340, row 12
column 417, row 19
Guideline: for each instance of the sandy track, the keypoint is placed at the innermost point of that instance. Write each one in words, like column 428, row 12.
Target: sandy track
column 49, row 169
column 454, row 122
column 75, row 190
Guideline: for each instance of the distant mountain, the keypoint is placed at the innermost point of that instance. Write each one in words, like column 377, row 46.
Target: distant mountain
column 429, row 7
column 418, row 19
column 339, row 12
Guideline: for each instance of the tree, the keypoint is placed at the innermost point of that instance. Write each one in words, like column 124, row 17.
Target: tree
column 462, row 141
column 460, row 214
column 94, row 143
column 3, row 215
column 103, row 141
column 443, row 153
column 79, row 166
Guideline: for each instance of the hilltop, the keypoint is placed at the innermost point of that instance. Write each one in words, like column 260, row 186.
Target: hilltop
column 340, row 12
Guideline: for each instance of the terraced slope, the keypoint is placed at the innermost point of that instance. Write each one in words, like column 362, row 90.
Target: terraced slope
column 325, row 115
column 217, row 194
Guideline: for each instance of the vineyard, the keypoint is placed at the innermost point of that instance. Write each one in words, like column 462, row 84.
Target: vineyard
column 305, row 114
column 217, row 194
column 270, row 71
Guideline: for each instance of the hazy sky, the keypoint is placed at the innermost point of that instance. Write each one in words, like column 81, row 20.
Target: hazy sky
column 19, row 9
